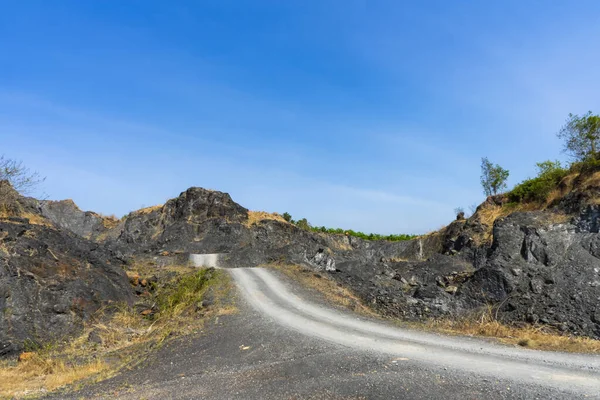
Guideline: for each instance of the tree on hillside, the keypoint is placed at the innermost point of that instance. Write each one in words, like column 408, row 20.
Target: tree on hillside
column 303, row 224
column 581, row 136
column 460, row 213
column 493, row 177
column 287, row 216
column 21, row 178
column 548, row 167
column 15, row 178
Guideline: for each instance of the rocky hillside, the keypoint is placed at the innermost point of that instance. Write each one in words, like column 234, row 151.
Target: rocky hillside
column 537, row 266
column 51, row 280
column 532, row 263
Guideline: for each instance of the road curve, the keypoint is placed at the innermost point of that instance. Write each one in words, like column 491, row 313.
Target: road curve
column 578, row 374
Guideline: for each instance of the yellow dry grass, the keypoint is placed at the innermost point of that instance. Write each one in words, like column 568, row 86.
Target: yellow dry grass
column 125, row 336
column 398, row 259
column 40, row 374
column 592, row 181
column 326, row 286
column 109, row 221
column 254, row 217
column 489, row 213
column 485, row 324
column 34, row 219
column 338, row 242
column 147, row 210
column 553, row 196
column 567, row 181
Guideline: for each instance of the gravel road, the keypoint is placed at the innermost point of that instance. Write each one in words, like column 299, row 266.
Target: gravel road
column 283, row 346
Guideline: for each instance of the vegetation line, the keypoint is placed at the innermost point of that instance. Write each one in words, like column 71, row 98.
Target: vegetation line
column 304, row 224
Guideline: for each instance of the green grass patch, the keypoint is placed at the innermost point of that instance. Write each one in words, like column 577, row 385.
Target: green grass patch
column 186, row 291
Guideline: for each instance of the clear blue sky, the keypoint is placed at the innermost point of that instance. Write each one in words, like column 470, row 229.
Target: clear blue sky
column 371, row 115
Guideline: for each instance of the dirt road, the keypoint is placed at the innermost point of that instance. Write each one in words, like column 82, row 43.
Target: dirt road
column 287, row 343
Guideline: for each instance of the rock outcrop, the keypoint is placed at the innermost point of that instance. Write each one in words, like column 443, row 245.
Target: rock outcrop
column 67, row 215
column 51, row 281
column 542, row 273
column 536, row 269
column 539, row 267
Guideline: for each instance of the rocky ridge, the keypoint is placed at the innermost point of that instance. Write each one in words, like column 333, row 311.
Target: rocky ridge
column 539, row 267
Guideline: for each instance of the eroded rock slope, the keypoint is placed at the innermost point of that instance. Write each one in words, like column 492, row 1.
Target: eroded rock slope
column 538, row 267
column 51, row 280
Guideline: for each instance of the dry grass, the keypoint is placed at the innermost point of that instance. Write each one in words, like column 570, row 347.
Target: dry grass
column 326, row 286
column 109, row 221
column 485, row 324
column 254, row 217
column 125, row 336
column 34, row 219
column 592, row 181
column 338, row 242
column 553, row 196
column 398, row 259
column 40, row 374
column 147, row 210
column 489, row 213
column 567, row 181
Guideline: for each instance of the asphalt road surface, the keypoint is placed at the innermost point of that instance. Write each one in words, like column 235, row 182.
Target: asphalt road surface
column 287, row 343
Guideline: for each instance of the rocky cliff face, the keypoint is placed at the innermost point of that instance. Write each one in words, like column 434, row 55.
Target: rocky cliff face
column 534, row 272
column 541, row 272
column 51, row 280
column 533, row 267
column 65, row 214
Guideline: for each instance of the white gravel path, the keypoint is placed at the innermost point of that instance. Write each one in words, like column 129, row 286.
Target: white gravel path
column 575, row 373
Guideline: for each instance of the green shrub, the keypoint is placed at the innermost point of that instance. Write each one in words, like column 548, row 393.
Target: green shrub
column 185, row 292
column 550, row 173
column 585, row 167
column 287, row 216
column 365, row 236
column 303, row 224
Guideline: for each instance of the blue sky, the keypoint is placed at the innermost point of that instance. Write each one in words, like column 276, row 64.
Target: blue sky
column 370, row 115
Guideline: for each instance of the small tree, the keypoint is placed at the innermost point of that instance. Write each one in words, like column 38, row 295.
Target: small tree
column 287, row 216
column 303, row 224
column 460, row 213
column 15, row 178
column 547, row 168
column 21, row 178
column 581, row 136
column 493, row 177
